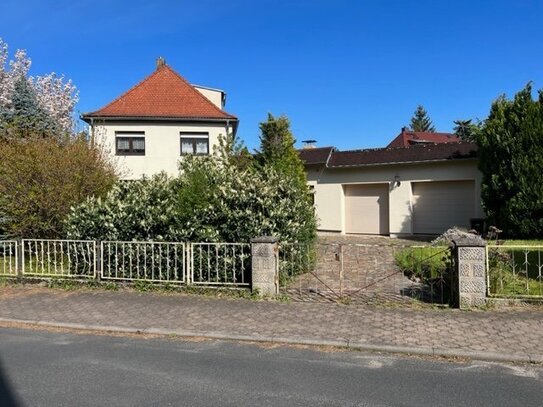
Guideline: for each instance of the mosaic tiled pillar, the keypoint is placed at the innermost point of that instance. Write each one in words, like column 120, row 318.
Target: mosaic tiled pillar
column 471, row 267
column 264, row 260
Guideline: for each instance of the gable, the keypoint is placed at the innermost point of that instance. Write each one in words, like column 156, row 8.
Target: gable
column 162, row 95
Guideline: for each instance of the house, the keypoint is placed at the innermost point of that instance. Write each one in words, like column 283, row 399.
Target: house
column 422, row 189
column 151, row 126
column 408, row 138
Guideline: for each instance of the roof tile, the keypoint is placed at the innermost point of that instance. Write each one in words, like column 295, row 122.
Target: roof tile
column 163, row 94
column 416, row 153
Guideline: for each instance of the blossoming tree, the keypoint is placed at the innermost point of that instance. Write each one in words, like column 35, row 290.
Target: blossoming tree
column 55, row 95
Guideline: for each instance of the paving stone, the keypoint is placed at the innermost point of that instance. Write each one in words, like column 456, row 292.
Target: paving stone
column 517, row 332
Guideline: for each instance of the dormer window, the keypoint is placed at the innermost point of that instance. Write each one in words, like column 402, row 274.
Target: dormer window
column 130, row 143
column 194, row 143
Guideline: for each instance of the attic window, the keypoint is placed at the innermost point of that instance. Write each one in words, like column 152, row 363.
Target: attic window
column 195, row 143
column 130, row 143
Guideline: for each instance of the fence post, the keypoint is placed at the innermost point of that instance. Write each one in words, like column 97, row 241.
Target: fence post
column 19, row 258
column 264, row 266
column 98, row 260
column 470, row 260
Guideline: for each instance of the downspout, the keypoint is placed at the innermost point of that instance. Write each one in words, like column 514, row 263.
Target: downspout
column 92, row 131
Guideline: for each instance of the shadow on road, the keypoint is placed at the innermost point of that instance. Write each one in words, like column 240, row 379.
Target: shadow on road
column 7, row 395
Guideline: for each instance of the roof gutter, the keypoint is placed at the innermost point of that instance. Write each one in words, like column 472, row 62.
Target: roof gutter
column 88, row 119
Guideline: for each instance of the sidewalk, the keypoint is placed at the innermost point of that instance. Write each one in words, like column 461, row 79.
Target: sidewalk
column 490, row 335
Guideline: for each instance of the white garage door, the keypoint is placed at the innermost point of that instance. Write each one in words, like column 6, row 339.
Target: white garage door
column 438, row 206
column 366, row 209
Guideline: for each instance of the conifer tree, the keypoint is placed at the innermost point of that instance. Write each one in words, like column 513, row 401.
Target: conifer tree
column 420, row 121
column 466, row 130
column 511, row 161
column 25, row 117
column 277, row 149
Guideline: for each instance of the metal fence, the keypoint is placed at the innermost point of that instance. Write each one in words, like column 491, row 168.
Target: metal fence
column 220, row 264
column 211, row 264
column 8, row 258
column 360, row 272
column 514, row 271
column 161, row 262
column 58, row 258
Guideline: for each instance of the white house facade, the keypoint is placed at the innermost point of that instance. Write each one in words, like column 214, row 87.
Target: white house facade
column 424, row 189
column 149, row 128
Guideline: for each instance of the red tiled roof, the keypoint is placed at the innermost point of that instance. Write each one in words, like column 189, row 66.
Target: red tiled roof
column 163, row 94
column 409, row 138
column 315, row 155
column 416, row 153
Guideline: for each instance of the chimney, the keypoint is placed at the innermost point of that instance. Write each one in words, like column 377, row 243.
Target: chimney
column 404, row 129
column 160, row 62
column 308, row 144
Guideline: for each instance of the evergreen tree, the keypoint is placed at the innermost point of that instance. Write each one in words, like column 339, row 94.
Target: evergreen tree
column 24, row 117
column 277, row 149
column 420, row 121
column 511, row 161
column 466, row 130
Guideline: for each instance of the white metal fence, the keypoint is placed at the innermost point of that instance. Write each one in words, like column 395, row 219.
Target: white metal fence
column 514, row 271
column 161, row 262
column 58, row 258
column 207, row 264
column 227, row 264
column 8, row 258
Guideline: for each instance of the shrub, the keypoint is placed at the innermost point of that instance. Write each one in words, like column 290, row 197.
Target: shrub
column 210, row 201
column 40, row 179
column 132, row 210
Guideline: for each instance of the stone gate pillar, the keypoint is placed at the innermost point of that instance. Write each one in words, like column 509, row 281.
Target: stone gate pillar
column 470, row 260
column 265, row 267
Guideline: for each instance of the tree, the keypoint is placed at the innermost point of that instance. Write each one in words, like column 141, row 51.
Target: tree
column 25, row 117
column 55, row 95
column 420, row 121
column 42, row 179
column 511, row 161
column 277, row 149
column 466, row 130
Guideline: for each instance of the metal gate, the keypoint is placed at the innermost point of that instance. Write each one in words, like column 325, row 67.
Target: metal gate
column 364, row 273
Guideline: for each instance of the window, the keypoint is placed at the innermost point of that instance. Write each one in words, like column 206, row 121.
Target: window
column 130, row 143
column 194, row 143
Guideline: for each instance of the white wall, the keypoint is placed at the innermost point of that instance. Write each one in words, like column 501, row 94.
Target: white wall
column 162, row 145
column 329, row 191
column 214, row 95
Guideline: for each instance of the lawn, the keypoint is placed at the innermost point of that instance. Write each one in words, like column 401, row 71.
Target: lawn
column 515, row 268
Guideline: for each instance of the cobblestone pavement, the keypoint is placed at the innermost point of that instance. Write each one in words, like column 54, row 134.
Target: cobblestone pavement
column 510, row 335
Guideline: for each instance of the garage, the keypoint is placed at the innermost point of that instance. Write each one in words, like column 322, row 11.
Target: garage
column 438, row 206
column 366, row 209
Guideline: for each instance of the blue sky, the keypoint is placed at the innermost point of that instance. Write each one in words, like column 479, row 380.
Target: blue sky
column 347, row 73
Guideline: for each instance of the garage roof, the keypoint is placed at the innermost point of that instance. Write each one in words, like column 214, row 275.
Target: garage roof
column 313, row 156
column 413, row 154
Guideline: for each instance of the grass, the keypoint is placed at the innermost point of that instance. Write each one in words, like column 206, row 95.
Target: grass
column 5, row 266
column 516, row 271
column 423, row 263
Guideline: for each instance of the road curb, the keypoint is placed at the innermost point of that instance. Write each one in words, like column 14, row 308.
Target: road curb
column 346, row 343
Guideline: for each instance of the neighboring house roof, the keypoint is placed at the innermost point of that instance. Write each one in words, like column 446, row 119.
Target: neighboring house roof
column 313, row 156
column 163, row 95
column 414, row 154
column 409, row 138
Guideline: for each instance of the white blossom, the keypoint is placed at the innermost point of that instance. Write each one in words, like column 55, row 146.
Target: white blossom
column 56, row 95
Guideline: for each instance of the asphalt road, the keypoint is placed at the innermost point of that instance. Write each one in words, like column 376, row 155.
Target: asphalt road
column 39, row 368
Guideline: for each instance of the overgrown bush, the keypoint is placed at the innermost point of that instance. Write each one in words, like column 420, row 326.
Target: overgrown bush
column 42, row 178
column 210, row 201
column 132, row 210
